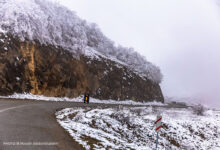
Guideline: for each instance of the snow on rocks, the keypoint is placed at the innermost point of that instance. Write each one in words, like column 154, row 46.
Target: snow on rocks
column 133, row 128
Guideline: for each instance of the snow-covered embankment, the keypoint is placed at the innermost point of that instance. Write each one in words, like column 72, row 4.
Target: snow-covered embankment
column 133, row 128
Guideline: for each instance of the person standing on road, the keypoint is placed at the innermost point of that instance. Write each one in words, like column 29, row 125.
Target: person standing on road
column 86, row 98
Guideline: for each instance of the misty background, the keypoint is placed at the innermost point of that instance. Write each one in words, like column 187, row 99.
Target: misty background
column 181, row 37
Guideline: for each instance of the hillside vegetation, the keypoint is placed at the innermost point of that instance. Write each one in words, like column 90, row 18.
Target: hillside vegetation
column 53, row 24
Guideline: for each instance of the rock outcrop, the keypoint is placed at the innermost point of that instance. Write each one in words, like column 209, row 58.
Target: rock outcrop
column 51, row 71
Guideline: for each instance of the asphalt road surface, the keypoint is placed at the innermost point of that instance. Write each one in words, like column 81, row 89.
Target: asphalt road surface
column 29, row 124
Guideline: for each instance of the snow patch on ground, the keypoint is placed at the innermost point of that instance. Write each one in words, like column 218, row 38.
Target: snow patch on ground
column 79, row 99
column 133, row 128
column 2, row 31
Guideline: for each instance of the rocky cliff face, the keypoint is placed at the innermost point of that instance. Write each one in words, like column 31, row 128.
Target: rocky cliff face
column 39, row 69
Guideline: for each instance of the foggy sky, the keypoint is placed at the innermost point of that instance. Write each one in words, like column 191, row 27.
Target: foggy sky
column 182, row 37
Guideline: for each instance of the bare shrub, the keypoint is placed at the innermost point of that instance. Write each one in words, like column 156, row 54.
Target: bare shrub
column 155, row 110
column 198, row 110
column 119, row 108
column 138, row 111
column 126, row 120
column 122, row 118
column 78, row 118
column 117, row 116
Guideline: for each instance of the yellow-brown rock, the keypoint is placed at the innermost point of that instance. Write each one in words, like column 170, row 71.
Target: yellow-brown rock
column 46, row 70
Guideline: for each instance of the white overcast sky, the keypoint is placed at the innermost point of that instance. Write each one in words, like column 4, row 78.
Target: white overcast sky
column 182, row 37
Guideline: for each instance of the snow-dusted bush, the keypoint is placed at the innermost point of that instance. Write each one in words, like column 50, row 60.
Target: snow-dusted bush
column 198, row 109
column 51, row 23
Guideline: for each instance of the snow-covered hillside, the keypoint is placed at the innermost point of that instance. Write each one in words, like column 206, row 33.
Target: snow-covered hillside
column 51, row 23
column 133, row 128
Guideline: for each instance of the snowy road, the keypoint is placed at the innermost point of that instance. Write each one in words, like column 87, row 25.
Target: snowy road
column 29, row 124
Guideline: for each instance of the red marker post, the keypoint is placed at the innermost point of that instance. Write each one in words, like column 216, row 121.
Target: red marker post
column 158, row 127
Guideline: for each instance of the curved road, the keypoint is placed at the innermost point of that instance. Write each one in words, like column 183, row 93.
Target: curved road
column 34, row 126
column 29, row 124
